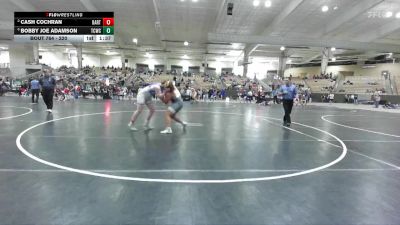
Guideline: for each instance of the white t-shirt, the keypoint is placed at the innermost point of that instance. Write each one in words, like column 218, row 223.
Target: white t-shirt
column 152, row 87
column 377, row 96
column 177, row 93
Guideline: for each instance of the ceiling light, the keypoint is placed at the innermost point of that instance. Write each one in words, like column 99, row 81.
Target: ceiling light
column 186, row 43
column 233, row 53
column 268, row 4
column 335, row 8
column 325, row 8
column 134, row 40
column 110, row 53
column 333, row 59
column 235, row 45
column 333, row 49
column 194, row 0
column 182, row 0
column 283, row 48
column 256, row 3
column 398, row 15
column 388, row 14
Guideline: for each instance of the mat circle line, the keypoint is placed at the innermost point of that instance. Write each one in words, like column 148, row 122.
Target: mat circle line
column 187, row 181
column 11, row 117
column 356, row 128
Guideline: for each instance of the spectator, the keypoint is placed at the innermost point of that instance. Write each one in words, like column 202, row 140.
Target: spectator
column 35, row 88
column 377, row 98
column 331, row 97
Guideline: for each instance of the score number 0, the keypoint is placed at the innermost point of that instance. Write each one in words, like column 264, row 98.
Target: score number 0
column 108, row 26
column 108, row 22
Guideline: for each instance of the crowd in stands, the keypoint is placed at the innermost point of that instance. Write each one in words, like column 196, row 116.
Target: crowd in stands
column 124, row 83
column 117, row 83
column 321, row 85
column 113, row 69
column 362, row 85
column 348, row 82
column 5, row 85
column 322, row 76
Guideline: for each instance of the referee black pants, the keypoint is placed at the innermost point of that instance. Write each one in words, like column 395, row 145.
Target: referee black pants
column 48, row 97
column 276, row 100
column 287, row 106
column 35, row 92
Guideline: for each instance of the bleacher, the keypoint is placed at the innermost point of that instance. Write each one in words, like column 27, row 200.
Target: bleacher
column 156, row 78
column 320, row 85
column 5, row 72
column 128, row 78
column 194, row 81
column 200, row 83
column 361, row 84
column 298, row 81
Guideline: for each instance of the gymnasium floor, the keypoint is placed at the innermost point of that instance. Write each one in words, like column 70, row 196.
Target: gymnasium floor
column 234, row 164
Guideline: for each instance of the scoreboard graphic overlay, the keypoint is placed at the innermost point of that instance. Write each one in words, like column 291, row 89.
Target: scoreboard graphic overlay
column 64, row 26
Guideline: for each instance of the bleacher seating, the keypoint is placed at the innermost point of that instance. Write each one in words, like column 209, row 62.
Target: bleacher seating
column 118, row 78
column 320, row 85
column 297, row 81
column 361, row 84
column 5, row 72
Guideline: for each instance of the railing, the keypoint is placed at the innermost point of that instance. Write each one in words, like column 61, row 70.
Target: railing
column 26, row 77
column 4, row 65
column 5, row 72
column 388, row 86
column 264, row 85
column 339, row 81
column 393, row 83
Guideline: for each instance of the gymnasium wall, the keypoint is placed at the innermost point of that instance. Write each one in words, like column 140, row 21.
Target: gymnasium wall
column 19, row 57
column 56, row 59
column 4, row 57
column 106, row 60
column 91, row 60
column 358, row 70
column 151, row 62
column 260, row 69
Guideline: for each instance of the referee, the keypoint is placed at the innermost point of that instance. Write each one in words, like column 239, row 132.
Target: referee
column 48, row 84
column 288, row 93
